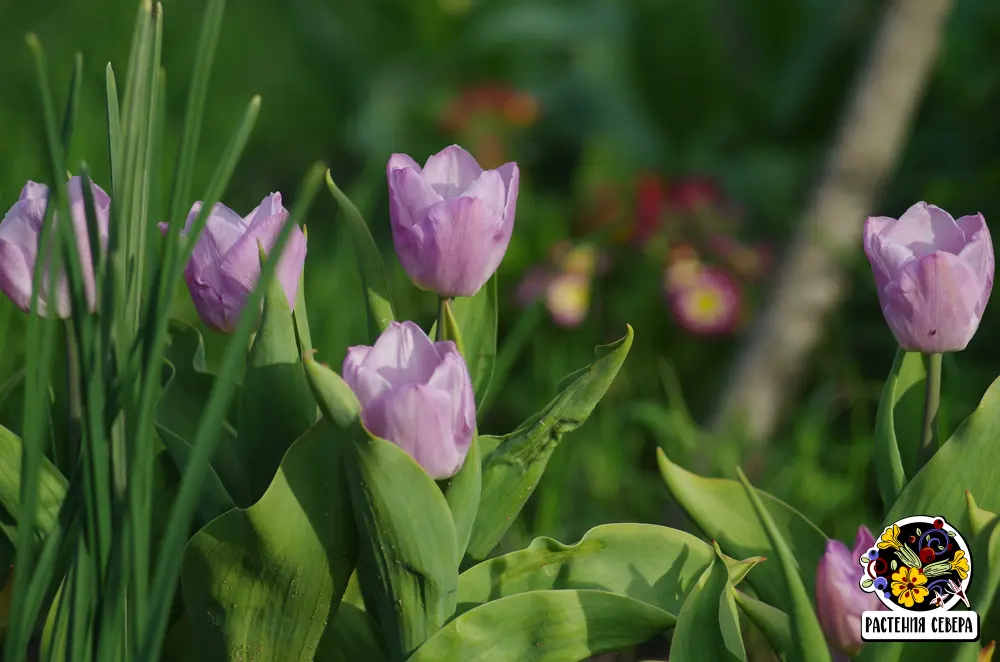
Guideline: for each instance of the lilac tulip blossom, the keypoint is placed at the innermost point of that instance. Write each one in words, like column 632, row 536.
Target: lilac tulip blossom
column 451, row 220
column 417, row 394
column 840, row 601
column 225, row 265
column 19, row 234
column 934, row 276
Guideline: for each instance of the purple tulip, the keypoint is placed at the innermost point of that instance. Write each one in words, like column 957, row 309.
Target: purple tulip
column 19, row 234
column 839, row 598
column 451, row 220
column 416, row 394
column 934, row 276
column 225, row 265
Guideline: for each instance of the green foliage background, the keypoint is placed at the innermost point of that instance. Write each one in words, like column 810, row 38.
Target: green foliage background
column 747, row 92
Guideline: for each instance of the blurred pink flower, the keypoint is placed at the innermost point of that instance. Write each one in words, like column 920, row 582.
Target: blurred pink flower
column 532, row 286
column 693, row 194
column 706, row 304
column 683, row 266
column 567, row 298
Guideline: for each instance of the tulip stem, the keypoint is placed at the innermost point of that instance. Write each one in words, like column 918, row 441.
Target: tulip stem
column 75, row 427
column 932, row 399
column 442, row 326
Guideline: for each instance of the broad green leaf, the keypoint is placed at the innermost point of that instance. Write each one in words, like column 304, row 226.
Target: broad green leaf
column 462, row 492
column 979, row 519
column 51, row 489
column 512, row 470
column 986, row 551
column 215, row 500
column 807, row 636
column 652, row 564
column 771, row 621
column 407, row 559
column 900, row 409
column 546, row 626
column 301, row 317
column 708, row 625
column 723, row 512
column 264, row 583
column 187, row 384
column 379, row 301
column 276, row 405
column 352, row 637
column 966, row 462
column 477, row 318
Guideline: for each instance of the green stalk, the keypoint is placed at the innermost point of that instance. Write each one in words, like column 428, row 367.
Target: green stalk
column 932, row 401
column 444, row 305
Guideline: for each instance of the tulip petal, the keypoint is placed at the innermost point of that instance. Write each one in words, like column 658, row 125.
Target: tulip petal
column 398, row 162
column 223, row 229
column 456, row 257
column 490, row 190
column 366, row 382
column 403, row 354
column 862, row 543
column 883, row 267
column 978, row 254
column 924, row 229
column 240, row 268
column 34, row 191
column 451, row 171
column 418, row 418
column 15, row 276
column 452, row 376
column 932, row 305
column 410, row 196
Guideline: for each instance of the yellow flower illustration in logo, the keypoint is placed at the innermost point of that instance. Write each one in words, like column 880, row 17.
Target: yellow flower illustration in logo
column 890, row 538
column 960, row 564
column 908, row 586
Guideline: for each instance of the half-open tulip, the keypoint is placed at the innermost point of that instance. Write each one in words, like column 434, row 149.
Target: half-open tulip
column 417, row 394
column 19, row 233
column 225, row 265
column 451, row 220
column 934, row 276
column 839, row 598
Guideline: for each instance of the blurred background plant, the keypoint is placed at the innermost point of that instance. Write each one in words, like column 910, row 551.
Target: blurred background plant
column 667, row 150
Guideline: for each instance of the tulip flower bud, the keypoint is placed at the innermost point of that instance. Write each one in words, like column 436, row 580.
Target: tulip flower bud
column 839, row 598
column 19, row 233
column 934, row 276
column 451, row 220
column 416, row 394
column 225, row 264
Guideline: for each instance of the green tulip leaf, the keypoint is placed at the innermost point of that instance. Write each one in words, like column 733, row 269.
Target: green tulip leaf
column 477, row 318
column 407, row 561
column 652, row 564
column 807, row 636
column 511, row 471
column 299, row 314
column 52, row 488
column 264, row 583
column 708, row 625
column 771, row 621
column 965, row 462
column 379, row 301
column 546, row 626
column 899, row 410
column 336, row 400
column 352, row 636
column 979, row 519
column 276, row 406
column 723, row 512
column 215, row 499
column 462, row 492
column 187, row 385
